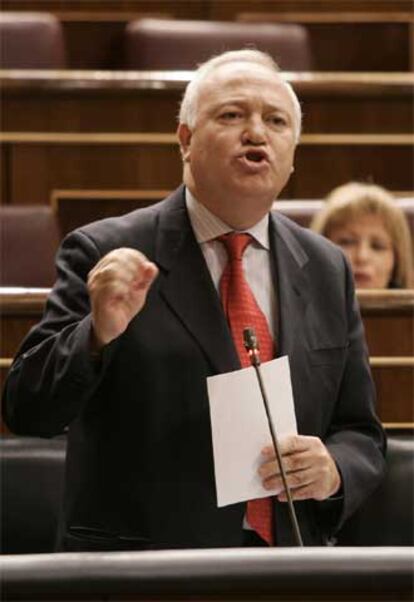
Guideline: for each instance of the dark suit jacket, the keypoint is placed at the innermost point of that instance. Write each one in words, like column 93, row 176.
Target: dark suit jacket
column 140, row 465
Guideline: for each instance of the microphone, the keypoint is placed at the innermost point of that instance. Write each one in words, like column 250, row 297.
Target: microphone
column 252, row 346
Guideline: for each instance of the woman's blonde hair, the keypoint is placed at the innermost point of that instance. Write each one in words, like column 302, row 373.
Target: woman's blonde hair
column 349, row 202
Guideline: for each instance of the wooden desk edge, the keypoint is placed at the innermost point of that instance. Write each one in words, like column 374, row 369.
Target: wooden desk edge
column 14, row 298
column 83, row 81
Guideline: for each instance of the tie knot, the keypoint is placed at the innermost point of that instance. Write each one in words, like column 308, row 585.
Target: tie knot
column 235, row 243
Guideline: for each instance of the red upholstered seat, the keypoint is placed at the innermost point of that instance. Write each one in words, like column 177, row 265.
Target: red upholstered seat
column 29, row 239
column 31, row 40
column 160, row 44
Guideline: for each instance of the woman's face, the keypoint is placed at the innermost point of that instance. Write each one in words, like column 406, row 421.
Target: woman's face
column 369, row 248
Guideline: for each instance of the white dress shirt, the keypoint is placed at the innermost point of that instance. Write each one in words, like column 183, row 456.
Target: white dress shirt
column 256, row 258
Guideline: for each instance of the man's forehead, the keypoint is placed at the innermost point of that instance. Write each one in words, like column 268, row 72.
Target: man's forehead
column 234, row 78
column 234, row 72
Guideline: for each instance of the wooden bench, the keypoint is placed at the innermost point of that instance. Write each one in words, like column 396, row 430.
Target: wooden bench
column 115, row 130
column 389, row 323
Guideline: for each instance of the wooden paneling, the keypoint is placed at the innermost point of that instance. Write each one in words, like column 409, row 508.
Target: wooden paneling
column 20, row 309
column 114, row 103
column 395, row 393
column 18, row 313
column 229, row 9
column 74, row 208
column 94, row 44
column 352, row 42
column 186, row 8
column 148, row 101
column 39, row 168
column 388, row 318
column 389, row 321
column 5, row 192
column 40, row 163
column 324, row 164
column 389, row 328
column 81, row 9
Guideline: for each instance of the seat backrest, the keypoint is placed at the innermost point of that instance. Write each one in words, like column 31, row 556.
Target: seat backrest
column 182, row 44
column 30, row 40
column 32, row 476
column 387, row 517
column 29, row 238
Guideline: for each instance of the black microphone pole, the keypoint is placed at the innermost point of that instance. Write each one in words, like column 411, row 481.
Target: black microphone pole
column 252, row 347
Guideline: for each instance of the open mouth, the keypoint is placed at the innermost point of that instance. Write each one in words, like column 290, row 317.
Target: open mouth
column 256, row 156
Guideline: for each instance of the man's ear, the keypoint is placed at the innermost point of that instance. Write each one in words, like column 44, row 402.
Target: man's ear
column 184, row 135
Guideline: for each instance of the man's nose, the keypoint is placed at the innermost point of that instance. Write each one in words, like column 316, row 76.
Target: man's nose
column 254, row 131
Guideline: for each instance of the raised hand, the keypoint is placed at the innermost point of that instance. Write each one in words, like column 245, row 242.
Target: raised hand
column 118, row 287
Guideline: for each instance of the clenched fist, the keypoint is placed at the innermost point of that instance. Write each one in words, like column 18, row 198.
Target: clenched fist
column 118, row 286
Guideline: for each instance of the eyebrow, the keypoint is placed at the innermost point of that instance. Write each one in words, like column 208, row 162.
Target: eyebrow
column 244, row 101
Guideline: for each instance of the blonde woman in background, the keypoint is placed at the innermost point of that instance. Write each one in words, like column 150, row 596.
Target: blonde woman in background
column 373, row 231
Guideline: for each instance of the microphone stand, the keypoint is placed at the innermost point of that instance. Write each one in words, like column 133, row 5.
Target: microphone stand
column 252, row 347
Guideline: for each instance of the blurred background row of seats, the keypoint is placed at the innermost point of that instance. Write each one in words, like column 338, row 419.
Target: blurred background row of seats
column 36, row 41
column 340, row 36
column 31, row 41
column 41, row 227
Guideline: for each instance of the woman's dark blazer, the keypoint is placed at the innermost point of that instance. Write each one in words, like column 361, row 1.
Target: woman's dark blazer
column 140, row 471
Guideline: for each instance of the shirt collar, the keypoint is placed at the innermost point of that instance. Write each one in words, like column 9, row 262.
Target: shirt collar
column 208, row 226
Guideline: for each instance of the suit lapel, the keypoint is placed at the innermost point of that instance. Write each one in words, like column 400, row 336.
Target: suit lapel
column 292, row 286
column 187, row 286
column 188, row 289
column 293, row 295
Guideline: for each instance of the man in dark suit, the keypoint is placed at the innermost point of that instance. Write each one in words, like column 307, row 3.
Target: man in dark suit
column 135, row 325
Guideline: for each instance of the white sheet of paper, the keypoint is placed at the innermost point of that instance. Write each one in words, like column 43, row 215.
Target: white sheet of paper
column 240, row 429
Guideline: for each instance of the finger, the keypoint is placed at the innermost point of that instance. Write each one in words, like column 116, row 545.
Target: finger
column 293, row 479
column 268, row 452
column 146, row 276
column 291, row 463
column 300, row 493
column 136, row 277
column 111, row 296
column 293, row 444
column 108, row 281
column 120, row 260
column 309, row 491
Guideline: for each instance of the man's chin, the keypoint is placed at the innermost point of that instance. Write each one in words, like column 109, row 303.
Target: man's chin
column 257, row 190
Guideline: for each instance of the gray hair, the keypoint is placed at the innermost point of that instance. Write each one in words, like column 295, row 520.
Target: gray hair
column 188, row 108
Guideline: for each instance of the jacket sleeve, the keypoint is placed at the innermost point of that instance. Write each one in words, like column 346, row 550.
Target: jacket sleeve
column 54, row 372
column 356, row 438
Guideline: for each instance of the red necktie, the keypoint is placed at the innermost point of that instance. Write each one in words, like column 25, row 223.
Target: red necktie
column 242, row 311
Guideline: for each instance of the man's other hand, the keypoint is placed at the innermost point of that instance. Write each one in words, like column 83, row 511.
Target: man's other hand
column 310, row 469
